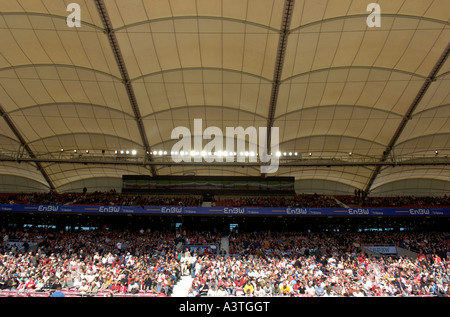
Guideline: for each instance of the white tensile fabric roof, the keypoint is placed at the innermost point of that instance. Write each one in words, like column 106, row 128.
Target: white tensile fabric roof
column 136, row 69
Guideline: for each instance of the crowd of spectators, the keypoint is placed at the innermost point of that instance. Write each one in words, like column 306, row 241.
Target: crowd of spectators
column 110, row 198
column 299, row 200
column 396, row 201
column 110, row 263
column 320, row 264
column 93, row 263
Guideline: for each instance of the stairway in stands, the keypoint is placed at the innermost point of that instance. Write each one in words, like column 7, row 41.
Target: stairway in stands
column 225, row 244
column 181, row 289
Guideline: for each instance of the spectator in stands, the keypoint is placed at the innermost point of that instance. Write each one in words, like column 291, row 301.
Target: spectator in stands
column 92, row 289
column 58, row 292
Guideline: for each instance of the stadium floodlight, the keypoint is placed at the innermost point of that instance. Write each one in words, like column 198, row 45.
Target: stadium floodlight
column 296, row 154
column 278, row 154
column 165, row 152
column 127, row 152
column 62, row 150
column 160, row 152
column 181, row 152
column 134, row 152
column 290, row 153
column 284, row 154
column 203, row 153
column 310, row 154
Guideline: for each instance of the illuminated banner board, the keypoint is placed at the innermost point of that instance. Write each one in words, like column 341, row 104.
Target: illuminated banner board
column 244, row 211
column 211, row 184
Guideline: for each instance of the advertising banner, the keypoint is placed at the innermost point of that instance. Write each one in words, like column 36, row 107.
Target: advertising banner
column 244, row 211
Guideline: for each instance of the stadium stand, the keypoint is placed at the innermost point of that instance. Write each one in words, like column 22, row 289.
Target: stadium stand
column 35, row 261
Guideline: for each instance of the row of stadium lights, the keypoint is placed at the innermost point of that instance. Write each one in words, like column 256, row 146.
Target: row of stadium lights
column 76, row 151
column 193, row 153
column 132, row 152
column 225, row 153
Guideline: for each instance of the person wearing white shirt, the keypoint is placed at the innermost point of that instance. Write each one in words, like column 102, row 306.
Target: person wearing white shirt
column 222, row 292
column 183, row 265
column 212, row 292
column 259, row 292
column 309, row 289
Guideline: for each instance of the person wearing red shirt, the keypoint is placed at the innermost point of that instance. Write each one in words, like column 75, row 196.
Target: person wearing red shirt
column 31, row 284
column 437, row 259
column 115, row 287
column 123, row 288
column 421, row 256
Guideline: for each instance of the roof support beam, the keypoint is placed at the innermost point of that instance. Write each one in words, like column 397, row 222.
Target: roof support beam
column 431, row 77
column 302, row 163
column 25, row 146
column 279, row 63
column 100, row 4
